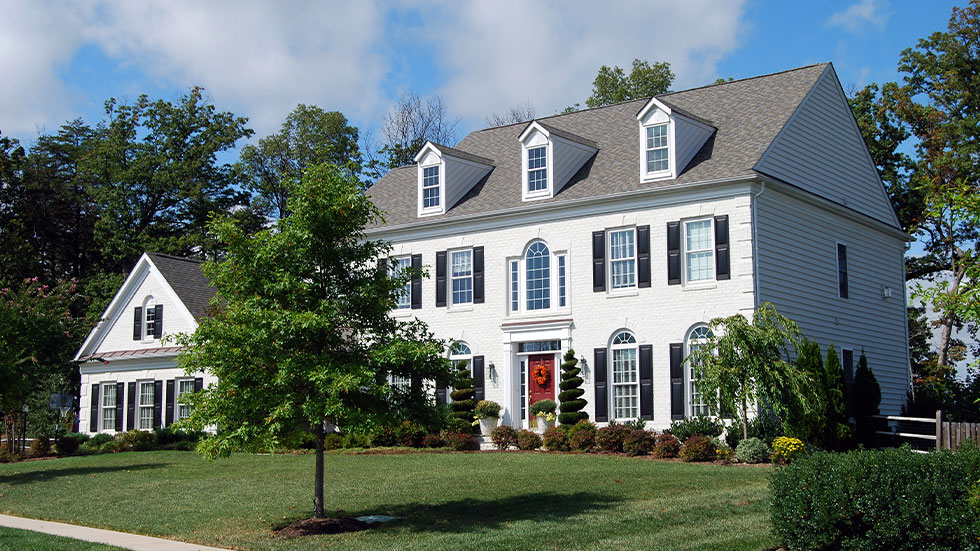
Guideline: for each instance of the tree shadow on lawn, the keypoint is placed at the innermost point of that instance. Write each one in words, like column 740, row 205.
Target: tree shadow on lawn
column 49, row 474
column 465, row 515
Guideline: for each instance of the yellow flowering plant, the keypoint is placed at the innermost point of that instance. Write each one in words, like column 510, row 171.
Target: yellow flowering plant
column 786, row 449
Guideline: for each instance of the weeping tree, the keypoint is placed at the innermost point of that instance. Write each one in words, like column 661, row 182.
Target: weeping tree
column 464, row 390
column 571, row 393
column 747, row 363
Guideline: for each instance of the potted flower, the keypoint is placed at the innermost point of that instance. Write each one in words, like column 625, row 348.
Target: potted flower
column 544, row 410
column 487, row 415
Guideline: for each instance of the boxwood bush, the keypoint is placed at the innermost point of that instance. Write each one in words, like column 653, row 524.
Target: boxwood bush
column 893, row 499
column 528, row 440
column 555, row 439
column 752, row 450
column 639, row 442
column 610, row 438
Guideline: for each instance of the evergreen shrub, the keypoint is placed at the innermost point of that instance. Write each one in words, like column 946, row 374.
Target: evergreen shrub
column 698, row 448
column 610, row 438
column 700, row 425
column 582, row 441
column 40, row 447
column 463, row 405
column 667, row 446
column 752, row 450
column 528, row 440
column 433, row 441
column 571, row 393
column 135, row 441
column 461, row 441
column 639, row 442
column 555, row 439
column 504, row 437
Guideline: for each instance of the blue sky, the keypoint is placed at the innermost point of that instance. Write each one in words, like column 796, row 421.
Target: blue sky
column 60, row 59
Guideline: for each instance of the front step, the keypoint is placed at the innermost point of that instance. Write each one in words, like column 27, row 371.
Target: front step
column 485, row 443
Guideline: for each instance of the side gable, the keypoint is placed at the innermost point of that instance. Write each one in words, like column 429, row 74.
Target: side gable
column 821, row 150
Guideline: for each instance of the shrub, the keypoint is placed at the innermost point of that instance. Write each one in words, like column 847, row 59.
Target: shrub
column 455, row 424
column 410, row 434
column 698, row 448
column 383, row 437
column 582, row 441
column 893, row 499
column 462, row 395
column 722, row 451
column 527, row 440
column 433, row 441
column 582, row 426
column 635, row 424
column 40, row 447
column 333, row 441
column 7, row 457
column 136, row 441
column 866, row 397
column 504, row 437
column 487, row 409
column 99, row 439
column 571, row 393
column 355, row 441
column 703, row 426
column 786, row 449
column 80, row 436
column 639, row 442
column 555, row 439
column 66, row 445
column 765, row 427
column 461, row 441
column 610, row 438
column 543, row 406
column 667, row 446
column 752, row 450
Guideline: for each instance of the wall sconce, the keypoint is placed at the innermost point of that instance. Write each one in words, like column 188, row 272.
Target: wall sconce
column 886, row 292
column 491, row 372
column 585, row 368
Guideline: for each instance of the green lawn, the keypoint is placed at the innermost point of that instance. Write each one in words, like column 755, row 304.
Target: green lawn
column 448, row 501
column 12, row 539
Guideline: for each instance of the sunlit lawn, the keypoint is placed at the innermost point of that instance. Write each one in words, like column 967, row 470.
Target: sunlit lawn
column 448, row 501
column 12, row 539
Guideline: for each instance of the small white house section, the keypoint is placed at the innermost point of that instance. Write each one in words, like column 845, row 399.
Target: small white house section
column 445, row 176
column 549, row 159
column 668, row 140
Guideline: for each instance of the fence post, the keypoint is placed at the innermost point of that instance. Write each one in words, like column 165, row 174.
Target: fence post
column 939, row 429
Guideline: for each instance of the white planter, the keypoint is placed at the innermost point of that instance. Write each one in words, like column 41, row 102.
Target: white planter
column 543, row 424
column 487, row 424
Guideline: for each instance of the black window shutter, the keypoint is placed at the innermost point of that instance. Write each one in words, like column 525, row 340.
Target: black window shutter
column 157, row 403
column 198, row 384
column 120, row 388
column 158, row 323
column 478, row 378
column 131, row 407
column 722, row 256
column 677, row 381
column 416, row 281
column 441, row 278
column 171, row 399
column 440, row 393
column 477, row 275
column 138, row 323
column 673, row 253
column 598, row 261
column 600, row 372
column 93, row 423
column 643, row 256
column 848, row 366
column 842, row 270
column 646, row 381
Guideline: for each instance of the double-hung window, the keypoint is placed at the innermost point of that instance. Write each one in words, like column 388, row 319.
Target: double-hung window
column 657, row 150
column 401, row 266
column 622, row 258
column 430, row 187
column 696, row 340
column 625, row 377
column 842, row 270
column 184, row 386
column 699, row 250
column 462, row 276
column 150, row 327
column 109, row 406
column 537, row 169
column 400, row 384
column 146, row 399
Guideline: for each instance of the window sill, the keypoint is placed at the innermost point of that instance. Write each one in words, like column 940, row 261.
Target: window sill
column 537, row 196
column 539, row 313
column 701, row 286
column 401, row 312
column 627, row 292
column 467, row 307
column 655, row 177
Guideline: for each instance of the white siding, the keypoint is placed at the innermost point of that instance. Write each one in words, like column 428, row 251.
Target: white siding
column 821, row 151
column 461, row 176
column 569, row 158
column 688, row 140
column 120, row 334
column 797, row 250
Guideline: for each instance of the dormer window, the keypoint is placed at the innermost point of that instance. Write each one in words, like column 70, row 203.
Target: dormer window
column 537, row 169
column 542, row 175
column 658, row 151
column 445, row 175
column 669, row 139
column 430, row 187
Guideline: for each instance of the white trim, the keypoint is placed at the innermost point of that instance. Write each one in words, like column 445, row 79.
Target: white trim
column 653, row 103
column 685, row 265
column 451, row 304
column 611, row 377
column 630, row 289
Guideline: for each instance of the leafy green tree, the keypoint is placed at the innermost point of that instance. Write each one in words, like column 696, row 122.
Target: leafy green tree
column 300, row 333
column 867, row 397
column 15, row 257
column 747, row 364
column 809, row 425
column 613, row 85
column 839, row 433
column 308, row 136
column 571, row 393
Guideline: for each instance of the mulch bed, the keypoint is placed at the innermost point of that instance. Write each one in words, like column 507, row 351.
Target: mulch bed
column 315, row 526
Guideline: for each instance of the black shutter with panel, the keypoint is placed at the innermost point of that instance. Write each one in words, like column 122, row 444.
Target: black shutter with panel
column 842, row 270
column 131, row 407
column 643, row 256
column 93, row 422
column 598, row 261
column 673, row 253
column 416, row 281
column 198, row 384
column 478, row 378
column 441, row 278
column 157, row 404
column 722, row 255
column 138, row 323
column 600, row 372
column 158, row 324
column 847, row 364
column 478, row 275
column 171, row 399
column 440, row 393
column 120, row 388
column 646, row 381
column 676, row 381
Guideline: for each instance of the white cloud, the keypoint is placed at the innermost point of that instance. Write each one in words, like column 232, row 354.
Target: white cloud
column 857, row 17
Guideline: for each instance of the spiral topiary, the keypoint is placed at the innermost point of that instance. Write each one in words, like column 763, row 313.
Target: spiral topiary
column 571, row 393
column 463, row 406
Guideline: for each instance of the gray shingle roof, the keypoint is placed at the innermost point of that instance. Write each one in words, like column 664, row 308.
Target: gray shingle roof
column 185, row 277
column 462, row 154
column 748, row 114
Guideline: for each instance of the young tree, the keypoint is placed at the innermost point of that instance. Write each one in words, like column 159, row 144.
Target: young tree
column 299, row 333
column 571, row 393
column 645, row 80
column 839, row 433
column 867, row 397
column 746, row 364
column 811, row 425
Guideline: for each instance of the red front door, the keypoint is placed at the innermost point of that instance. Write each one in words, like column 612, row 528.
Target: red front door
column 538, row 366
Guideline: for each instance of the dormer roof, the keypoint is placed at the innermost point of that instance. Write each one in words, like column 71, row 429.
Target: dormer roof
column 549, row 130
column 446, row 150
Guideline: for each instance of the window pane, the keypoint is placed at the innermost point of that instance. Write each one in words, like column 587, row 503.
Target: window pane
column 622, row 253
column 109, row 396
column 625, row 402
column 514, row 278
column 700, row 256
column 430, row 187
column 462, row 277
column 658, row 157
column 624, row 366
column 400, row 266
column 185, row 386
column 700, row 266
column 109, row 407
column 561, row 281
column 537, row 169
column 538, row 269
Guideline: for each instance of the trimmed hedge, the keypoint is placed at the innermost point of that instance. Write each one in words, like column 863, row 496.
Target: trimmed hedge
column 571, row 394
column 870, row 499
column 667, row 446
column 610, row 438
column 698, row 448
column 527, row 440
column 555, row 439
column 639, row 442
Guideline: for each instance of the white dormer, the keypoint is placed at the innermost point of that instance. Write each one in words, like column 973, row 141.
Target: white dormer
column 549, row 158
column 669, row 139
column 445, row 175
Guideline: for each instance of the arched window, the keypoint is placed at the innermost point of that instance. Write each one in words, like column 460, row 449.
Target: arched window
column 625, row 376
column 149, row 318
column 696, row 339
column 537, row 267
column 460, row 352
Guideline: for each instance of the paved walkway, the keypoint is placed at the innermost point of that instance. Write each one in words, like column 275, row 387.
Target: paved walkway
column 108, row 537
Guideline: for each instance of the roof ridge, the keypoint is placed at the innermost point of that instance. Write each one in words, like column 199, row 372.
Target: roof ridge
column 174, row 257
column 810, row 66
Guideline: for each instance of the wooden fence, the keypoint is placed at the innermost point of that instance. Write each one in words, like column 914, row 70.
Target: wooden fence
column 945, row 435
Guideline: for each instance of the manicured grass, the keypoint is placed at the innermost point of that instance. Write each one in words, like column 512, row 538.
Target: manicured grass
column 448, row 501
column 12, row 539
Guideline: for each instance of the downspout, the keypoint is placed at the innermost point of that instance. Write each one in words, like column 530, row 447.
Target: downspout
column 755, row 241
column 905, row 298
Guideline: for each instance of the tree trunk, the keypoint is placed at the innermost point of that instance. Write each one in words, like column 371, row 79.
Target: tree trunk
column 948, row 319
column 745, row 419
column 318, row 478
